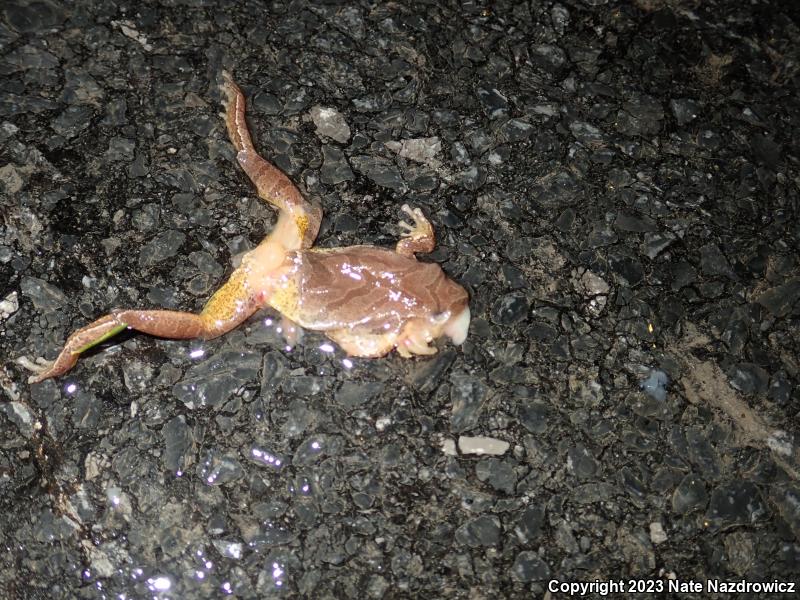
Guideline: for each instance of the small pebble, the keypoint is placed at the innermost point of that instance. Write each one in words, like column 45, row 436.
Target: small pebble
column 482, row 445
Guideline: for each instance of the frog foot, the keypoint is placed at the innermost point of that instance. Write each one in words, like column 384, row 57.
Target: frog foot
column 418, row 237
column 416, row 338
column 40, row 368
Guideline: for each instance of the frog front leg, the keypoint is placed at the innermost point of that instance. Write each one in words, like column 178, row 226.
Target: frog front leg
column 365, row 345
column 417, row 336
column 418, row 237
column 228, row 307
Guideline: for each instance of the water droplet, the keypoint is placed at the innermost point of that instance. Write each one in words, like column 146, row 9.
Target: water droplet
column 159, row 584
column 265, row 457
column 277, row 573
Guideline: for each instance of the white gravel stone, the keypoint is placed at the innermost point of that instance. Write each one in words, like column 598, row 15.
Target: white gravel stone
column 449, row 447
column 421, row 150
column 8, row 306
column 330, row 123
column 482, row 445
column 657, row 533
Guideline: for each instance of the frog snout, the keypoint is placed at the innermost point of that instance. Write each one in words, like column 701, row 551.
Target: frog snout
column 458, row 325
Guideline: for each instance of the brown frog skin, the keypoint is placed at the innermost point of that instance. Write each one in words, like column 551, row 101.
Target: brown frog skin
column 369, row 300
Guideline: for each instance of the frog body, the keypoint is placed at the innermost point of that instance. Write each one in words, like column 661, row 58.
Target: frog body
column 367, row 299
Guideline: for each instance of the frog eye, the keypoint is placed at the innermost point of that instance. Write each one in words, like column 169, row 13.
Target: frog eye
column 440, row 318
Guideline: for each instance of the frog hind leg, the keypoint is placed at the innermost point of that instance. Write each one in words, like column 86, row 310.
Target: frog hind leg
column 228, row 307
column 156, row 322
column 298, row 219
column 418, row 237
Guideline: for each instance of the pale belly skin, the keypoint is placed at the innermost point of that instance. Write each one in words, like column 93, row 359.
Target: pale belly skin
column 369, row 300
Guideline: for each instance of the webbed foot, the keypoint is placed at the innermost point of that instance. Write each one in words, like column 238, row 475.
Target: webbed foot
column 40, row 368
column 418, row 237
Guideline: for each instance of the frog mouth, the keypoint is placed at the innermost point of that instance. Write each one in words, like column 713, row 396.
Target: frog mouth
column 457, row 327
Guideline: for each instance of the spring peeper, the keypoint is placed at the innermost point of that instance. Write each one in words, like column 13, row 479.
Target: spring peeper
column 369, row 300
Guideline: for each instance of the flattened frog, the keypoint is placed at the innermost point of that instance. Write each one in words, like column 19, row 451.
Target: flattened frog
column 369, row 300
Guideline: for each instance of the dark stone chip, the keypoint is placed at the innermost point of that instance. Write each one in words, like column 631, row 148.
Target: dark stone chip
column 213, row 381
column 177, row 441
column 495, row 103
column 734, row 504
column 702, row 453
column 781, row 300
column 750, row 378
column 510, row 309
column 467, row 395
column 690, row 495
column 335, row 168
column 529, row 567
column 548, row 57
column 766, row 150
column 516, row 130
column 426, row 376
column 353, row 394
column 685, row 110
column 482, row 531
column 529, row 525
column 628, row 268
column 626, row 221
column 565, row 220
column 34, row 16
column 683, row 274
column 601, row 235
column 786, row 498
column 582, row 463
column 535, row 416
column 380, row 170
column 498, row 473
column 714, row 262
column 780, row 389
column 556, row 190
